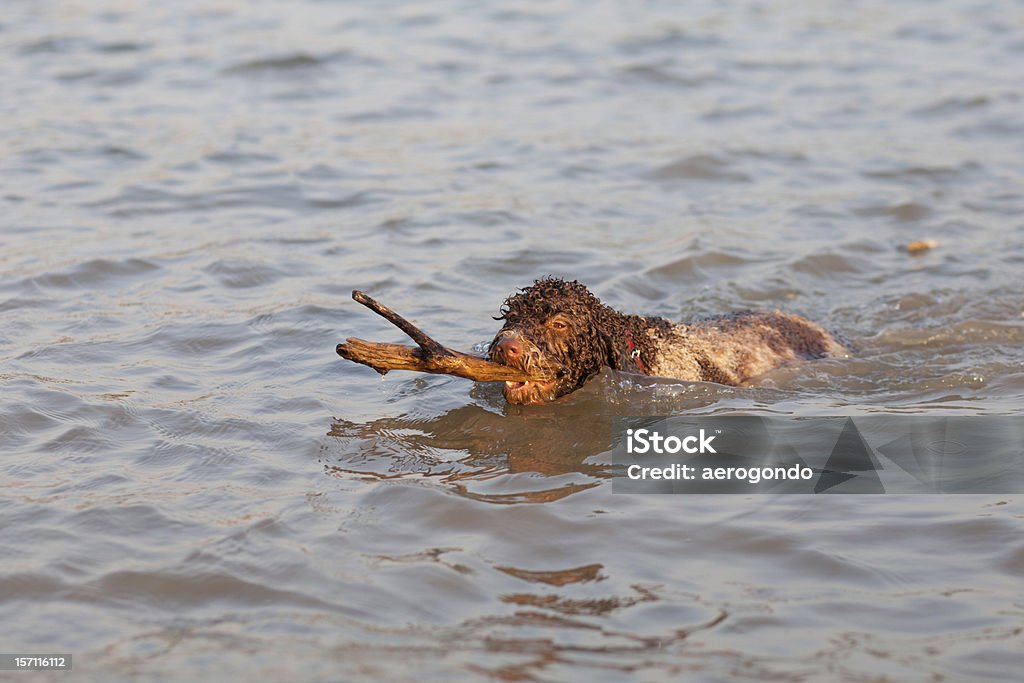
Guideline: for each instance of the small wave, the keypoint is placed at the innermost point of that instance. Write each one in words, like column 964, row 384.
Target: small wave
column 695, row 264
column 282, row 63
column 905, row 212
column 97, row 271
column 703, row 167
column 912, row 173
column 243, row 274
column 659, row 75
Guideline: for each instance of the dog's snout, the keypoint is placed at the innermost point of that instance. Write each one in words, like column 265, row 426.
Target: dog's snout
column 510, row 348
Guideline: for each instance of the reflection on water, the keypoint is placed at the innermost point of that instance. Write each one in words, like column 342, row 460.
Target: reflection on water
column 472, row 448
column 196, row 486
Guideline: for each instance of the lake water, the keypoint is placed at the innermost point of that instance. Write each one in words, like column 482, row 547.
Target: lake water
column 194, row 486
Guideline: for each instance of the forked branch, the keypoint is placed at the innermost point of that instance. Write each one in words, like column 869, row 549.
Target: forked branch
column 430, row 356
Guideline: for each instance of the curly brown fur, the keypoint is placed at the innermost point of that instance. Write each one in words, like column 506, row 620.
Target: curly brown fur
column 561, row 327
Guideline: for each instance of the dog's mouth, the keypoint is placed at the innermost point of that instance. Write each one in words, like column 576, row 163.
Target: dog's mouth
column 514, row 351
column 530, row 393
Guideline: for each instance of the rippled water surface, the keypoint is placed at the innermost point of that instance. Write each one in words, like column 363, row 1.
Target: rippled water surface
column 195, row 486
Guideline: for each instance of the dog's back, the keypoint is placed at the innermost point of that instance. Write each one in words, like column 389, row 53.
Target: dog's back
column 734, row 348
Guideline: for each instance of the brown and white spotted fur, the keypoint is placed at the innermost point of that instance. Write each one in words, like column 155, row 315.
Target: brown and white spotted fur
column 561, row 329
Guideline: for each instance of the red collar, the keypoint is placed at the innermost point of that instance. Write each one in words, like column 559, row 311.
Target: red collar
column 634, row 352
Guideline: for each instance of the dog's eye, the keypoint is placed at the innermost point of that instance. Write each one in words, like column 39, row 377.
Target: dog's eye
column 557, row 325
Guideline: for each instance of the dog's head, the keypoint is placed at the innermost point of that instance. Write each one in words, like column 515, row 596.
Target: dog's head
column 554, row 327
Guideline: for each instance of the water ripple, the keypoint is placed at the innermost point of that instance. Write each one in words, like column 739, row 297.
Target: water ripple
column 194, row 481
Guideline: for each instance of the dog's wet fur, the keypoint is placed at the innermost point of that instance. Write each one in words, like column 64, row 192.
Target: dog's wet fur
column 561, row 329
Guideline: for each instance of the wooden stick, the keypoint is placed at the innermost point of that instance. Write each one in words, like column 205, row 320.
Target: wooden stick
column 431, row 356
column 430, row 346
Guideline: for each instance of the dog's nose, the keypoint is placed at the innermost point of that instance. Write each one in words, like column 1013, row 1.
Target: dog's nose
column 509, row 348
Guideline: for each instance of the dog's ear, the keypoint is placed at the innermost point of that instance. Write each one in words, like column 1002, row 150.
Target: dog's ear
column 608, row 351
